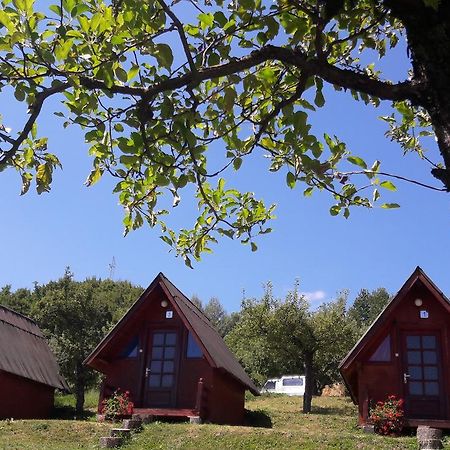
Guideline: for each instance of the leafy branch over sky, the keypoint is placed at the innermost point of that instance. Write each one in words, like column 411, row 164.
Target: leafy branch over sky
column 158, row 88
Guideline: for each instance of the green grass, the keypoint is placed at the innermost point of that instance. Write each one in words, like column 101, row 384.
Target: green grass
column 276, row 424
column 331, row 425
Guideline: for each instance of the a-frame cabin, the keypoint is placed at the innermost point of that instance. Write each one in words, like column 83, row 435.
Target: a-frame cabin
column 165, row 352
column 406, row 352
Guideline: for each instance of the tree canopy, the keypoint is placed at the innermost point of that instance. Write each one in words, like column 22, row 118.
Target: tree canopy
column 245, row 78
column 274, row 337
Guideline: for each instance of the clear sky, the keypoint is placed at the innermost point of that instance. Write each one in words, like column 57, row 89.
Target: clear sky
column 82, row 227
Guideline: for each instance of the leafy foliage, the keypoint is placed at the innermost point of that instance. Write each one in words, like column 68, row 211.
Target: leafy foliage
column 367, row 306
column 388, row 416
column 246, row 79
column 117, row 406
column 74, row 316
column 274, row 337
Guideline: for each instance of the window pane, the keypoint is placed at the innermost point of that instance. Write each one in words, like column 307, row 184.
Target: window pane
column 415, row 388
column 429, row 357
column 412, row 342
column 167, row 380
column 193, row 350
column 171, row 338
column 131, row 350
column 155, row 366
column 292, row 382
column 158, row 339
column 430, row 373
column 414, row 358
column 157, row 352
column 431, row 388
column 168, row 367
column 415, row 372
column 154, row 380
column 169, row 353
column 429, row 342
column 383, row 352
column 269, row 385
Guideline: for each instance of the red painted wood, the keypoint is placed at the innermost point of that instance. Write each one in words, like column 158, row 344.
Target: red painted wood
column 24, row 399
column 222, row 396
column 165, row 412
column 370, row 382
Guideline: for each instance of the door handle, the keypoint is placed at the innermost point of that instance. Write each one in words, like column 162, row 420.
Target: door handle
column 147, row 371
column 405, row 378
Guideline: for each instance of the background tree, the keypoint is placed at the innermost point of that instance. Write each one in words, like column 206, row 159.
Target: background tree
column 367, row 306
column 274, row 337
column 74, row 316
column 248, row 76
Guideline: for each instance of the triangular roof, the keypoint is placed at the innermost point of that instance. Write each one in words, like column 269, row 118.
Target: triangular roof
column 214, row 348
column 24, row 351
column 372, row 331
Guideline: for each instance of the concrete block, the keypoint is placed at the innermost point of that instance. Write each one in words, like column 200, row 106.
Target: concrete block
column 132, row 424
column 120, row 432
column 110, row 442
column 195, row 419
column 369, row 429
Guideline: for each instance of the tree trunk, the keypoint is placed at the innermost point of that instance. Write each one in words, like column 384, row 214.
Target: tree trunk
column 79, row 389
column 428, row 34
column 308, row 357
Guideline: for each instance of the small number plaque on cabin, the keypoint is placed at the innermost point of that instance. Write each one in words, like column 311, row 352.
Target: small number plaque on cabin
column 169, row 314
column 423, row 314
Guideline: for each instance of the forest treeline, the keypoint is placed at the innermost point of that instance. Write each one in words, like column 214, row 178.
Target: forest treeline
column 270, row 336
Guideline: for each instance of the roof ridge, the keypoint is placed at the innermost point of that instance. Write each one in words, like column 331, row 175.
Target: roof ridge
column 19, row 314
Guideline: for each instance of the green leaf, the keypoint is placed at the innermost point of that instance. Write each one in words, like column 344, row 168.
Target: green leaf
column 290, row 180
column 237, row 162
column 94, row 176
column 121, row 74
column 388, row 185
column 164, row 55
column 357, row 161
column 206, row 20
column 335, row 210
column 253, row 246
column 390, row 205
column 319, row 99
column 132, row 72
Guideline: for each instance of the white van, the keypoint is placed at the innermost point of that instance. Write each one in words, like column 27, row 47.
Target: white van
column 287, row 384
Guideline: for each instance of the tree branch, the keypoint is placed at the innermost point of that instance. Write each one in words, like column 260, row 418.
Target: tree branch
column 35, row 111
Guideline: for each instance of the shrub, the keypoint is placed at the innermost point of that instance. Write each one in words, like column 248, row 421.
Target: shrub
column 117, row 406
column 388, row 417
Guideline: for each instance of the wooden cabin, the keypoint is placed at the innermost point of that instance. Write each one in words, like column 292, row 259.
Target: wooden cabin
column 165, row 352
column 406, row 352
column 29, row 373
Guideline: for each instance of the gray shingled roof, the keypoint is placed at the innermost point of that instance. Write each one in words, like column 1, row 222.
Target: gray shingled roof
column 25, row 352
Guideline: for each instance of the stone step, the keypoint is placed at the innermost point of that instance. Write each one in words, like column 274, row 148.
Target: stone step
column 111, row 442
column 195, row 419
column 121, row 432
column 132, row 424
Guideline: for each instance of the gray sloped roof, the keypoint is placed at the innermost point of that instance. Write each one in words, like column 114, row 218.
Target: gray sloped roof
column 24, row 351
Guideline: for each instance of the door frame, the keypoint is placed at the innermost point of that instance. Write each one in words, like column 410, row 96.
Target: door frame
column 151, row 329
column 441, row 353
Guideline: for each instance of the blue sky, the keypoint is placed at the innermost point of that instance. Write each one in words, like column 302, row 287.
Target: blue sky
column 82, row 227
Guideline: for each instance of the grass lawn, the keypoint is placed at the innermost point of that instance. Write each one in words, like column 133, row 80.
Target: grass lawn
column 277, row 425
column 331, row 425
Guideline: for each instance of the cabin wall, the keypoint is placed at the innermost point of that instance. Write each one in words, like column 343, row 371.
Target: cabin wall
column 24, row 399
column 226, row 400
column 377, row 380
column 127, row 373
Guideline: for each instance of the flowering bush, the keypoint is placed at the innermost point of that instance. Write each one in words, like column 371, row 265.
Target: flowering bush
column 388, row 417
column 117, row 406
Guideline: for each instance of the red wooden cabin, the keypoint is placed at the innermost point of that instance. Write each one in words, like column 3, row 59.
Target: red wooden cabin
column 29, row 373
column 173, row 362
column 406, row 353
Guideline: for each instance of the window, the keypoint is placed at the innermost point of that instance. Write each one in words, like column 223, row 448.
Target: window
column 269, row 385
column 383, row 352
column 292, row 382
column 193, row 350
column 131, row 350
